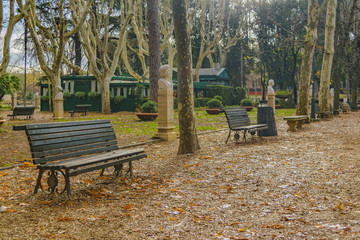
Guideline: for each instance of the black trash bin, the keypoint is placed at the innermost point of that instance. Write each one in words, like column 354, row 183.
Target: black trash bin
column 265, row 115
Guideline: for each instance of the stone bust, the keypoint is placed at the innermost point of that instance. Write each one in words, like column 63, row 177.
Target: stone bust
column 60, row 94
column 164, row 77
column 270, row 89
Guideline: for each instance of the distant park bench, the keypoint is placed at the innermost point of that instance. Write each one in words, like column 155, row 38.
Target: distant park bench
column 71, row 148
column 22, row 111
column 353, row 106
column 321, row 114
column 295, row 122
column 343, row 108
column 81, row 108
column 238, row 120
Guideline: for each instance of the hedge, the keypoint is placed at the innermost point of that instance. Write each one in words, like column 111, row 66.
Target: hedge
column 230, row 95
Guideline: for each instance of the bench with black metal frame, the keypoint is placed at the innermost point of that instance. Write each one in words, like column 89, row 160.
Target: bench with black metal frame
column 81, row 108
column 321, row 114
column 27, row 111
column 344, row 109
column 239, row 121
column 353, row 106
column 68, row 149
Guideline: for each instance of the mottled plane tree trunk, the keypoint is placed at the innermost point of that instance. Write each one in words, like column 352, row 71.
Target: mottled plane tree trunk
column 314, row 14
column 154, row 47
column 187, row 125
column 327, row 57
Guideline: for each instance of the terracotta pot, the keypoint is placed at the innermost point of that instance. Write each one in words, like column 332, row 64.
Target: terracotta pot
column 147, row 116
column 2, row 121
column 277, row 106
column 213, row 111
column 248, row 108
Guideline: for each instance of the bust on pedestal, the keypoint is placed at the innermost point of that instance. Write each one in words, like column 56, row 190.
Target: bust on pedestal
column 59, row 104
column 165, row 106
column 271, row 95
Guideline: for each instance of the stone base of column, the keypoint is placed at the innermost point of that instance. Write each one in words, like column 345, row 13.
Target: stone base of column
column 271, row 101
column 58, row 109
column 166, row 133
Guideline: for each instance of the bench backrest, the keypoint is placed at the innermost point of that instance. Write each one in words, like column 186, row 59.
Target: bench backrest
column 81, row 108
column 237, row 117
column 23, row 111
column 56, row 141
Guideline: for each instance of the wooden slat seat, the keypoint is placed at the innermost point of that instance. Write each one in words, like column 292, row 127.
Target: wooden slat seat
column 238, row 120
column 80, row 108
column 27, row 111
column 76, row 147
column 344, row 109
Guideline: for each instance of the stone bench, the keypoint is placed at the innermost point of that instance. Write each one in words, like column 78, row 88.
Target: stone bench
column 295, row 122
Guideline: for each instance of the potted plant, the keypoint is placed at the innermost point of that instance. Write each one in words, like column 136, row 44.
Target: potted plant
column 247, row 103
column 80, row 95
column 283, row 94
column 93, row 94
column 67, row 95
column 148, row 111
column 214, row 106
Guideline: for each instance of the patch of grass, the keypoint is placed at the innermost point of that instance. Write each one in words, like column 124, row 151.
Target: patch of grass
column 206, row 128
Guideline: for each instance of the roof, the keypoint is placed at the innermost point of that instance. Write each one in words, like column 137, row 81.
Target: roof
column 207, row 71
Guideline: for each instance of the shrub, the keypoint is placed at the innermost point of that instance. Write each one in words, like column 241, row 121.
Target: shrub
column 80, row 94
column 218, row 98
column 290, row 103
column 247, row 102
column 119, row 99
column 139, row 101
column 277, row 102
column 67, row 95
column 44, row 98
column 214, row 103
column 229, row 95
column 149, row 107
column 93, row 94
column 283, row 94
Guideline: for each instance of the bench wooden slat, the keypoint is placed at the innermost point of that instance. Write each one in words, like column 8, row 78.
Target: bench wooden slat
column 75, row 154
column 68, row 134
column 88, row 160
column 71, row 144
column 71, row 149
column 67, row 129
column 107, row 164
column 62, row 124
column 71, row 139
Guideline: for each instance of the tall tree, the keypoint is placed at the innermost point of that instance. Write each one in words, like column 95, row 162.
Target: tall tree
column 154, row 47
column 49, row 38
column 96, row 40
column 314, row 13
column 328, row 56
column 187, row 125
column 13, row 19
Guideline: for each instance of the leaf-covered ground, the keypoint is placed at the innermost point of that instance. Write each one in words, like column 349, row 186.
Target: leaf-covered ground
column 301, row 185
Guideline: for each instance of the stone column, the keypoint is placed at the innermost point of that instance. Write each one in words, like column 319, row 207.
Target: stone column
column 331, row 97
column 37, row 100
column 14, row 100
column 165, row 107
column 271, row 95
column 59, row 105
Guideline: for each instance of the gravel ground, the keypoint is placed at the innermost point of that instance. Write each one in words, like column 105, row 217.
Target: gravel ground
column 298, row 185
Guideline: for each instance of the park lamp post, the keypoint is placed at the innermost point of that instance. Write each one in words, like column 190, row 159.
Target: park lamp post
column 312, row 114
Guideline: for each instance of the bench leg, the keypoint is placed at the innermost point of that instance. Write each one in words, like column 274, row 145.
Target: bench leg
column 130, row 169
column 244, row 137
column 38, row 181
column 67, row 182
column 291, row 125
column 299, row 124
column 228, row 137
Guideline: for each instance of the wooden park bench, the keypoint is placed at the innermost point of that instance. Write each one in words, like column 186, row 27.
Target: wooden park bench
column 71, row 148
column 353, row 106
column 81, row 108
column 343, row 108
column 295, row 122
column 321, row 114
column 238, row 120
column 22, row 111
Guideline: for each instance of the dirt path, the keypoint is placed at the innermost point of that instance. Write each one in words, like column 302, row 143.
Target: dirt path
column 302, row 185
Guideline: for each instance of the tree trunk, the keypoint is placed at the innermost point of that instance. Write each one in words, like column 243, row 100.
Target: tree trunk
column 341, row 51
column 187, row 125
column 105, row 97
column 77, row 51
column 327, row 57
column 314, row 13
column 154, row 47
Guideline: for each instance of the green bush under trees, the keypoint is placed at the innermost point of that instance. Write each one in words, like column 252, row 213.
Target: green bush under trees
column 80, row 94
column 230, row 95
column 214, row 103
column 149, row 107
column 93, row 94
column 119, row 99
column 247, row 102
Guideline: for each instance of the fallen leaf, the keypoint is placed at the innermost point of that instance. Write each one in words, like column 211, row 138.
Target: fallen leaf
column 127, row 207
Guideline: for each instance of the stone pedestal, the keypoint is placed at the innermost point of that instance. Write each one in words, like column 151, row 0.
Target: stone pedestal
column 58, row 109
column 14, row 100
column 165, row 107
column 271, row 101
column 37, row 101
column 265, row 115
